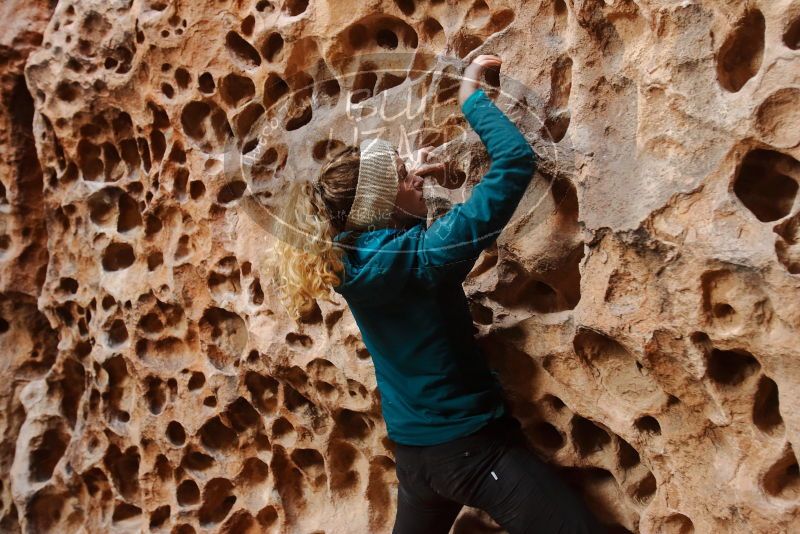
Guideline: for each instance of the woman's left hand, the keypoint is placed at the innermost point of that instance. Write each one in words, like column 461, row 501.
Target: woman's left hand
column 422, row 167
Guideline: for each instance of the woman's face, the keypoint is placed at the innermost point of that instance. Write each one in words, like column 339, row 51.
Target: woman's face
column 409, row 205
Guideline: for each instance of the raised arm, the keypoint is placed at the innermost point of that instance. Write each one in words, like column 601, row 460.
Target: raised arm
column 453, row 242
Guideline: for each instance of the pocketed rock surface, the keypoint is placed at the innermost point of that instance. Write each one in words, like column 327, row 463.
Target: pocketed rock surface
column 641, row 308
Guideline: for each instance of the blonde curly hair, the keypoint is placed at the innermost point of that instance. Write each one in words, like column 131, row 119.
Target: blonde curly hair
column 306, row 261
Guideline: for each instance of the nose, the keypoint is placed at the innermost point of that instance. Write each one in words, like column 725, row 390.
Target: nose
column 417, row 182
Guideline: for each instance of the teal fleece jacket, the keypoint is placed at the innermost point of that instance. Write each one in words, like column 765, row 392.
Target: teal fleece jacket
column 404, row 289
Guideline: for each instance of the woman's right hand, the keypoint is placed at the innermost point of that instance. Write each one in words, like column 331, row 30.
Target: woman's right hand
column 472, row 75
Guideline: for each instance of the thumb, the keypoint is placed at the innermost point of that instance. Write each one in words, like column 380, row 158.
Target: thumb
column 429, row 168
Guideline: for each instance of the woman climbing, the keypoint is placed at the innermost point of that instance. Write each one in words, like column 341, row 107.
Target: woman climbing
column 456, row 442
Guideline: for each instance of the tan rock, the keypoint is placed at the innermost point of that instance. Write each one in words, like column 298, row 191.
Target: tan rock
column 640, row 308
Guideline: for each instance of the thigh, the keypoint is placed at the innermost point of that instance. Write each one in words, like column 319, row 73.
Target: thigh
column 524, row 495
column 501, row 475
column 420, row 510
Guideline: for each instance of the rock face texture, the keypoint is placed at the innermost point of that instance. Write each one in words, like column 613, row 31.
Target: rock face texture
column 641, row 308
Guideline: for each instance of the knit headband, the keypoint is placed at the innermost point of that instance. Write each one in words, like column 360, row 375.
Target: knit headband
column 376, row 189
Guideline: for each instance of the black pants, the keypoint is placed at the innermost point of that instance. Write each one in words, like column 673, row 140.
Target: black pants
column 493, row 469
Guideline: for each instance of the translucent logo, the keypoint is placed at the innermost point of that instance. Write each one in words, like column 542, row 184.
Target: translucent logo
column 409, row 99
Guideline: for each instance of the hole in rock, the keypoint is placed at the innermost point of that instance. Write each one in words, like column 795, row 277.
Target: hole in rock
column 231, row 191
column 295, row 7
column 731, row 367
column 466, row 43
column 196, row 381
column 235, row 88
column 766, row 412
column 159, row 516
column 627, row 456
column 155, row 395
column 352, row 425
column 242, row 415
column 248, row 25
column 741, row 54
column 272, row 46
column 263, row 391
column 299, row 118
column 117, row 256
column 792, row 35
column 206, row 83
column 46, row 451
column 275, row 88
column 645, row 489
column 766, row 183
column 587, row 436
column 254, row 471
column 342, row 458
column 241, row 50
column 197, row 461
column 123, row 511
column 124, row 469
column 546, row 436
column 216, row 436
column 648, row 424
column 176, row 433
column 188, row 493
column 782, row 480
column 183, row 78
column 406, row 6
column 282, row 429
column 218, row 499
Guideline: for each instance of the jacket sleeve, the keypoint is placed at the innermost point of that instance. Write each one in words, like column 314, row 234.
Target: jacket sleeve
column 451, row 245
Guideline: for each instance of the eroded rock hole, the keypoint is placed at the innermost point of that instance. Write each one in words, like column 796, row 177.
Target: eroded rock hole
column 766, row 412
column 648, row 424
column 176, row 433
column 159, row 516
column 272, row 47
column 275, row 88
column 766, row 183
column 196, row 381
column 242, row 51
column 156, row 394
column 295, row 7
column 217, row 436
column 254, row 472
column 46, row 451
column 118, row 256
column 352, row 425
column 124, row 510
column 225, row 335
column 242, row 415
column 406, row 6
column 587, row 436
column 791, row 37
column 187, row 493
column 627, row 456
column 342, row 458
column 782, row 480
column 645, row 489
column 466, row 43
column 547, row 436
column 731, row 367
column 218, row 499
column 235, row 88
column 124, row 469
column 206, row 83
column 741, row 54
column 197, row 461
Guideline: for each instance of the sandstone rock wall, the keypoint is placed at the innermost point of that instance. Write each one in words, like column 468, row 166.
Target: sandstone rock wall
column 641, row 308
